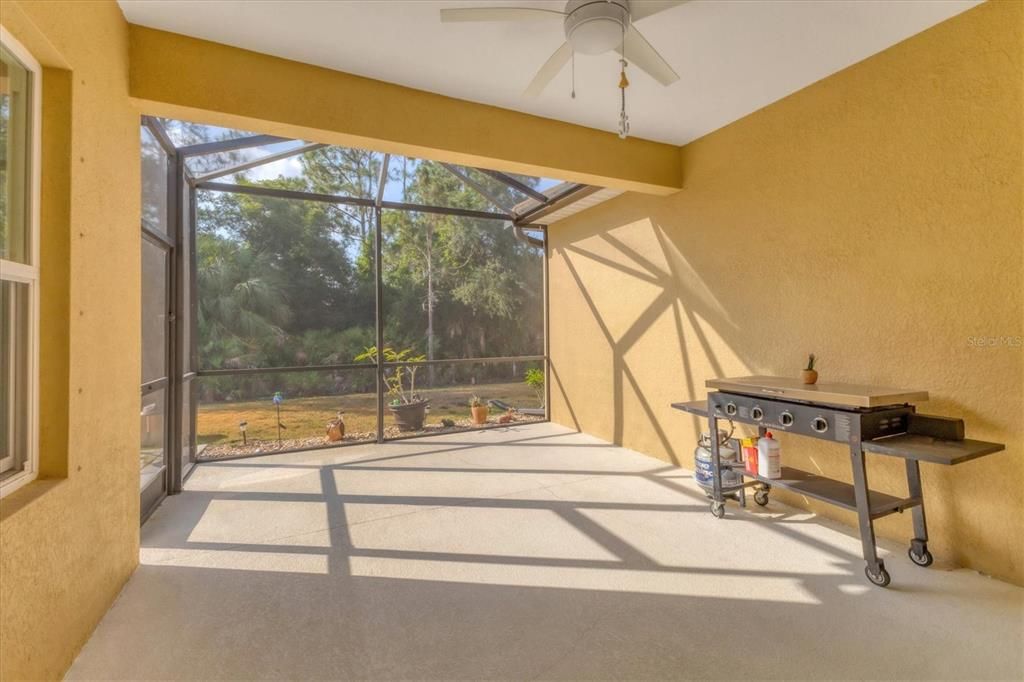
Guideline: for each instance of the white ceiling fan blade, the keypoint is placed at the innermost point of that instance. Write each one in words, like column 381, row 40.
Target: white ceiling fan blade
column 638, row 9
column 551, row 67
column 640, row 54
column 455, row 14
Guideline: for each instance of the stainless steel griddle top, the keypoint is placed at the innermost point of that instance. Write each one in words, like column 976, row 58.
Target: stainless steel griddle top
column 844, row 395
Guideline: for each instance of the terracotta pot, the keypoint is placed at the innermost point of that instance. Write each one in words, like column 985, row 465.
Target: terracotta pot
column 809, row 376
column 335, row 430
column 410, row 416
column 479, row 414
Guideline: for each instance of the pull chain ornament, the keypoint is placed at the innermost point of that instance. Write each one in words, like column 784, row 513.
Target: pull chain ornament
column 623, row 84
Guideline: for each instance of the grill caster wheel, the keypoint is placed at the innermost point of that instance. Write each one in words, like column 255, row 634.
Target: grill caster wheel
column 925, row 559
column 761, row 497
column 718, row 510
column 881, row 579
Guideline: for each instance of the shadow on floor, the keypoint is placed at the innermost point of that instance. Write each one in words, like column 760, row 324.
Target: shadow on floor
column 531, row 554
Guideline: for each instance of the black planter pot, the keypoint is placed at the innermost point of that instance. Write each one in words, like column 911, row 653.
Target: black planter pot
column 409, row 417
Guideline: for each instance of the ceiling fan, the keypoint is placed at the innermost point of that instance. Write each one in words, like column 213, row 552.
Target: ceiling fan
column 591, row 27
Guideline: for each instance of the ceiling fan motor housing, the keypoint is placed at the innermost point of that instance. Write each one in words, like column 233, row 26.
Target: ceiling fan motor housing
column 595, row 26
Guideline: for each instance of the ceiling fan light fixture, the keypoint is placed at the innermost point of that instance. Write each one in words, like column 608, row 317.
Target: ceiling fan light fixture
column 596, row 26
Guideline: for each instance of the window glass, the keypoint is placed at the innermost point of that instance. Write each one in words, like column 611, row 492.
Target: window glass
column 18, row 272
column 15, row 106
column 14, row 362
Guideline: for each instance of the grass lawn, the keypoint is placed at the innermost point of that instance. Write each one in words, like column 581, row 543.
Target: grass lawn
column 217, row 423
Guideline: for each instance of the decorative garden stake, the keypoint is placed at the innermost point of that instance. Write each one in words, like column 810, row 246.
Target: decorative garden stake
column 241, row 427
column 336, row 428
column 278, row 399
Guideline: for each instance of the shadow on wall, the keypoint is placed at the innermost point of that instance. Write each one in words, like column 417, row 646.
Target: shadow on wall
column 666, row 321
column 676, row 290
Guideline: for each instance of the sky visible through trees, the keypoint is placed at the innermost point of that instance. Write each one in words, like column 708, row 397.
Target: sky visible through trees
column 285, row 282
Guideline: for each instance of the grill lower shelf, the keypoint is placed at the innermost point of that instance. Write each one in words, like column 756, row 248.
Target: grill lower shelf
column 832, row 491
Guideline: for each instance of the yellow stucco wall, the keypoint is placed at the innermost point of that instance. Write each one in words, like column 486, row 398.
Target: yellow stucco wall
column 185, row 77
column 68, row 543
column 873, row 218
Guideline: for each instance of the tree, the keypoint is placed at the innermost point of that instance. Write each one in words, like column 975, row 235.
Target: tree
column 345, row 172
column 473, row 271
column 291, row 282
column 240, row 307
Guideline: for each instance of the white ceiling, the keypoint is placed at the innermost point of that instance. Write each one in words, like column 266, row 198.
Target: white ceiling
column 734, row 57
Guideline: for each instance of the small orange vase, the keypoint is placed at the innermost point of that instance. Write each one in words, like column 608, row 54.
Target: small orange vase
column 479, row 414
column 809, row 376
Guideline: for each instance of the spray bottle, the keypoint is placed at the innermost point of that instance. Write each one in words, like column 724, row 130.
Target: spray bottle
column 769, row 457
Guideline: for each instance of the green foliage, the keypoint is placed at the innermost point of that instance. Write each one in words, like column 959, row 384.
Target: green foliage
column 396, row 380
column 534, row 378
column 291, row 283
column 241, row 308
column 474, row 287
column 810, row 361
column 476, row 402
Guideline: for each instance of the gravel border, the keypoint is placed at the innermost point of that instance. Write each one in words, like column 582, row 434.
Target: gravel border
column 212, row 453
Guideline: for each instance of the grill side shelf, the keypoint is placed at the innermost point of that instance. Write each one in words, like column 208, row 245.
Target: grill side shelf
column 697, row 407
column 832, row 491
column 929, row 449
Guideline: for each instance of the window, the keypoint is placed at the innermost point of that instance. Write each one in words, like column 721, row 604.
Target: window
column 19, row 263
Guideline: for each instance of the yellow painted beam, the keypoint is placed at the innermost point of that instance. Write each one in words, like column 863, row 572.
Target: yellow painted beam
column 183, row 77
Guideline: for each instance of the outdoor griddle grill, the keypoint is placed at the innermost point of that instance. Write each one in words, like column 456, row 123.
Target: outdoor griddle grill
column 866, row 419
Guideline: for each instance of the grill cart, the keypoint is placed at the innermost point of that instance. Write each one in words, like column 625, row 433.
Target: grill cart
column 865, row 419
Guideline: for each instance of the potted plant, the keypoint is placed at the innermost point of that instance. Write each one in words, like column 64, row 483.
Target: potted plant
column 406, row 405
column 810, row 375
column 479, row 410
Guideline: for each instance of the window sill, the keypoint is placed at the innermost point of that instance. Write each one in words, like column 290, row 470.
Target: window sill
column 12, row 480
column 15, row 500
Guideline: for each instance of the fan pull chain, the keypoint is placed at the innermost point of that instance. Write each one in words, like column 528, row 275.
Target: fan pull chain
column 623, row 84
column 574, row 74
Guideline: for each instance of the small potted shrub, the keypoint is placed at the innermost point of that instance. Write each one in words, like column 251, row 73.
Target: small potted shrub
column 479, row 410
column 409, row 409
column 535, row 379
column 810, row 375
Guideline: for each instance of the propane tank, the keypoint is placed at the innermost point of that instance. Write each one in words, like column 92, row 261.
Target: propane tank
column 704, row 470
column 769, row 457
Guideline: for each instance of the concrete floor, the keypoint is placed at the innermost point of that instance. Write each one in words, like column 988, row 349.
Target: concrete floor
column 523, row 553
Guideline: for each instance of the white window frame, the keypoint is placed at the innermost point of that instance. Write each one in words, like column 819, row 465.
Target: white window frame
column 28, row 274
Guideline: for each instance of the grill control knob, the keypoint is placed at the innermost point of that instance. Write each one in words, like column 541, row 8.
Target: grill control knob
column 786, row 418
column 819, row 424
column 730, row 409
column 757, row 413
